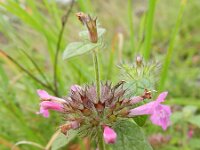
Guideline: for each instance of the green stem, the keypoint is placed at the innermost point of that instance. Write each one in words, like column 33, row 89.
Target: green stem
column 96, row 67
column 101, row 144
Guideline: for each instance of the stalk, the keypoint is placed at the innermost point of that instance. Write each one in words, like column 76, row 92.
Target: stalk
column 97, row 76
column 101, row 144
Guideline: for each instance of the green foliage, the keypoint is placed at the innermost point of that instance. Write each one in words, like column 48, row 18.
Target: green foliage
column 187, row 115
column 140, row 120
column 169, row 55
column 63, row 140
column 34, row 26
column 78, row 48
column 194, row 144
column 130, row 137
column 149, row 28
column 195, row 120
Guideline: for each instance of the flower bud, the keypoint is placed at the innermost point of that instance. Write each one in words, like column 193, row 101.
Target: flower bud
column 109, row 135
column 138, row 61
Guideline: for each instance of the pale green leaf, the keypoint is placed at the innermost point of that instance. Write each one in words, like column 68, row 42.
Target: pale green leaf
column 63, row 140
column 78, row 48
column 130, row 137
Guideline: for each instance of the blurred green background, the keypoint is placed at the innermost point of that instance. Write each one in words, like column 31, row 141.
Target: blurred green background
column 161, row 30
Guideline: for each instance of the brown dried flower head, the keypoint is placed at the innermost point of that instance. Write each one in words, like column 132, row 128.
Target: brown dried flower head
column 90, row 24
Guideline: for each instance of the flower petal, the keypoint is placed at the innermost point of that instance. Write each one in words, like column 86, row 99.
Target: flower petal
column 161, row 116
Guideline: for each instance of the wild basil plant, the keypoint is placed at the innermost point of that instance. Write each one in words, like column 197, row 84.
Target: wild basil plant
column 110, row 115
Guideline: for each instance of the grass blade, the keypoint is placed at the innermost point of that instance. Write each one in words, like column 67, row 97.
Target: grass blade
column 149, row 29
column 168, row 57
column 131, row 27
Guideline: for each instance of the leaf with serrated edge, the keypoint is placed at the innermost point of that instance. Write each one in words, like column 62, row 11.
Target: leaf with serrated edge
column 130, row 137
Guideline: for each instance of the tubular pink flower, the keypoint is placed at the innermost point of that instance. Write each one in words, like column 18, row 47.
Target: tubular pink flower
column 45, row 106
column 160, row 114
column 45, row 97
column 109, row 135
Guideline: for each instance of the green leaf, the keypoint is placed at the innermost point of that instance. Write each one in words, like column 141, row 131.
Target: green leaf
column 195, row 120
column 63, row 140
column 140, row 120
column 78, row 48
column 85, row 34
column 130, row 137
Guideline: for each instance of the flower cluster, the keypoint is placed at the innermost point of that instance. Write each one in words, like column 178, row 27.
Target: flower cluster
column 84, row 112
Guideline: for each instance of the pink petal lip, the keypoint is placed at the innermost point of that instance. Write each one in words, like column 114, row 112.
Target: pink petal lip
column 43, row 94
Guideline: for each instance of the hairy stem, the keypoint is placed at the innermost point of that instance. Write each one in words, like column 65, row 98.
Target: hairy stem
column 97, row 77
column 60, row 36
column 101, row 144
column 54, row 136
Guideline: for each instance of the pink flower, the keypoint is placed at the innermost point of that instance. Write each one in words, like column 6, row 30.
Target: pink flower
column 45, row 106
column 49, row 103
column 160, row 114
column 109, row 135
column 45, row 97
